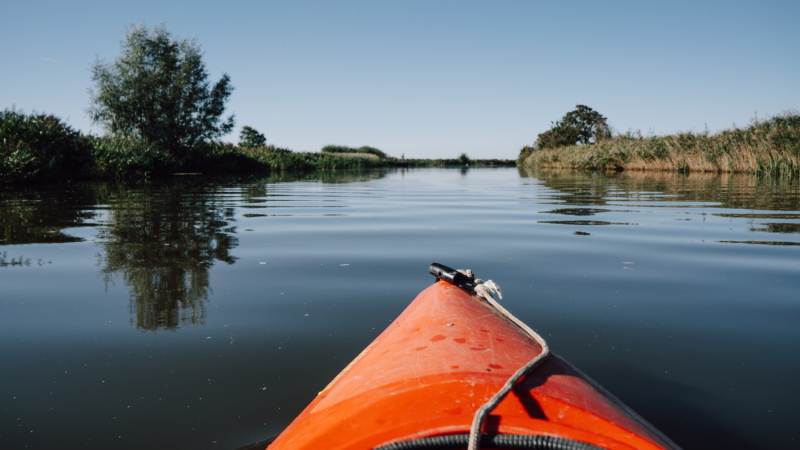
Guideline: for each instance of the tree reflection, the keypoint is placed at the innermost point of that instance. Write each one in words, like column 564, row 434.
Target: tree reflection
column 163, row 240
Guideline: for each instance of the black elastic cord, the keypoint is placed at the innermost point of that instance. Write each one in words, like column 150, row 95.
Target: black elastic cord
column 496, row 441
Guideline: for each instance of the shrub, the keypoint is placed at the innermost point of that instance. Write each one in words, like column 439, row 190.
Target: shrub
column 523, row 154
column 346, row 149
column 125, row 158
column 40, row 147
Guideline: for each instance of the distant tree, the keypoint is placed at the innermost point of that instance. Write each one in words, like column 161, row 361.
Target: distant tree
column 523, row 154
column 157, row 92
column 463, row 159
column 583, row 125
column 559, row 135
column 250, row 137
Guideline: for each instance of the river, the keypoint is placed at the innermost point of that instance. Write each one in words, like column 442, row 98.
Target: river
column 206, row 313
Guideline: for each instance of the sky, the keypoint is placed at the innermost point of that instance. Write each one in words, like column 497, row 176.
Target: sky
column 430, row 79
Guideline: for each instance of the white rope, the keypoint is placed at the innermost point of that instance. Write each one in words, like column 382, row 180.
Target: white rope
column 485, row 290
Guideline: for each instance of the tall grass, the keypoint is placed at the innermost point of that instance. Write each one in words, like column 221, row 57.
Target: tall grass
column 285, row 159
column 769, row 147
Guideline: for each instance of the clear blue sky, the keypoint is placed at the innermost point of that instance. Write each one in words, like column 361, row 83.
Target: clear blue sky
column 431, row 79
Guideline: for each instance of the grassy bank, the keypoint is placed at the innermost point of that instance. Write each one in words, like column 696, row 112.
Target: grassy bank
column 360, row 151
column 456, row 162
column 770, row 147
column 42, row 148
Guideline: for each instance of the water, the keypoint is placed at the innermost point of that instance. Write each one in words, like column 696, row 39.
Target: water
column 197, row 313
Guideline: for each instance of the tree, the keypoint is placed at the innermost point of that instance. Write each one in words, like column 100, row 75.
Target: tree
column 250, row 137
column 157, row 92
column 583, row 125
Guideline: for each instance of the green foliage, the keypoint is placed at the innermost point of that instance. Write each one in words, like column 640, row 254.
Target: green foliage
column 559, row 135
column 583, row 125
column 345, row 149
column 456, row 162
column 463, row 159
column 250, row 137
column 284, row 159
column 157, row 92
column 126, row 158
column 39, row 147
column 524, row 153
column 769, row 147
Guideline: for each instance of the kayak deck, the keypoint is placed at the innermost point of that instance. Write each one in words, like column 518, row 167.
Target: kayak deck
column 437, row 363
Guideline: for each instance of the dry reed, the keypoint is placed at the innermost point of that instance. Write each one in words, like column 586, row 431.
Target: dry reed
column 770, row 146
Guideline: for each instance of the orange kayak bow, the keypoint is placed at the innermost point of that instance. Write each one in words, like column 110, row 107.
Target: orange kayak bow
column 419, row 384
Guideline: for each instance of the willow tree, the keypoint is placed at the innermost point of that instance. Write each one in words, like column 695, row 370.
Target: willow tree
column 157, row 91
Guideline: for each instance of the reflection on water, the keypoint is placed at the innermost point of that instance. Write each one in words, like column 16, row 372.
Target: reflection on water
column 162, row 240
column 584, row 222
column 37, row 215
column 664, row 309
column 20, row 261
column 576, row 211
column 735, row 191
column 618, row 192
column 778, row 227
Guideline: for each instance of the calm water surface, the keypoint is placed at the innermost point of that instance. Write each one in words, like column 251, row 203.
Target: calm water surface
column 197, row 313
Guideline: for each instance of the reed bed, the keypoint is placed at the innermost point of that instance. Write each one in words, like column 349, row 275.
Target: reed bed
column 770, row 147
column 363, row 150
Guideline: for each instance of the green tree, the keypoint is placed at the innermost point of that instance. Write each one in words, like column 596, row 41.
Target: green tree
column 250, row 137
column 581, row 126
column 157, row 92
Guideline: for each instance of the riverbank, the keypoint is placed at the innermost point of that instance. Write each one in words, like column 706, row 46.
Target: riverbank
column 42, row 148
column 769, row 147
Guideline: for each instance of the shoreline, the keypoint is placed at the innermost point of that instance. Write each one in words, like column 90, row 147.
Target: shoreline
column 769, row 147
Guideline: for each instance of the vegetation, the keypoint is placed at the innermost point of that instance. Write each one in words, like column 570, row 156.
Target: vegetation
column 350, row 150
column 162, row 116
column 157, row 93
column 770, row 147
column 460, row 161
column 39, row 147
column 581, row 126
column 118, row 157
column 250, row 137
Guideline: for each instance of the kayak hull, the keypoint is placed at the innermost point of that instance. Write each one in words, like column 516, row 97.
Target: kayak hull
column 446, row 355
